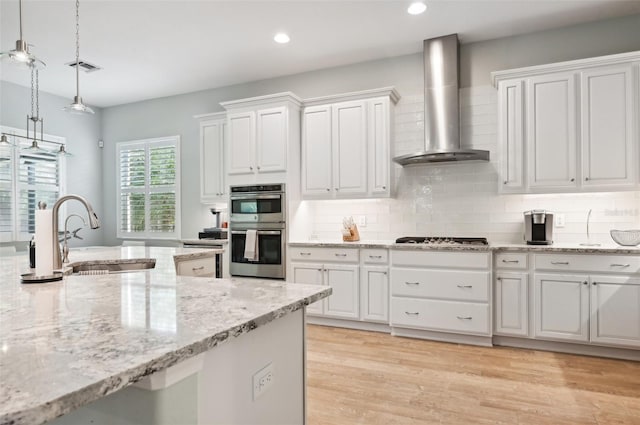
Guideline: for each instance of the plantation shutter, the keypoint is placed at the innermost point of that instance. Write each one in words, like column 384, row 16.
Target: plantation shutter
column 148, row 188
column 6, row 194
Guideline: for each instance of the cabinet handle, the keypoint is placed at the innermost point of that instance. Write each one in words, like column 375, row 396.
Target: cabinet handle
column 464, row 317
column 385, row 273
column 328, row 190
column 319, row 270
column 251, row 168
column 337, row 189
column 384, row 187
column 573, row 180
column 504, row 182
column 585, row 283
column 305, row 253
column 586, row 178
column 375, row 256
column 594, row 283
column 620, row 265
column 498, row 278
column 340, row 255
column 411, row 313
column 195, row 269
column 560, row 263
column 464, row 286
column 511, row 261
column 412, row 283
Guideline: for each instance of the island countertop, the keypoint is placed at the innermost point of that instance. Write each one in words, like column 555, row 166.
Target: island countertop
column 65, row 344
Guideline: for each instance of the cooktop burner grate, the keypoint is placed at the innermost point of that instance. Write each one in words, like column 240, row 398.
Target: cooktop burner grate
column 435, row 240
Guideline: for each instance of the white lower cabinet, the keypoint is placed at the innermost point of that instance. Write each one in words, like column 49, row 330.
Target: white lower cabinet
column 615, row 307
column 511, row 303
column 562, row 306
column 441, row 291
column 374, row 294
column 343, row 278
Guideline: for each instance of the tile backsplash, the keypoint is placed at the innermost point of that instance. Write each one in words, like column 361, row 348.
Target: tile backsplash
column 462, row 199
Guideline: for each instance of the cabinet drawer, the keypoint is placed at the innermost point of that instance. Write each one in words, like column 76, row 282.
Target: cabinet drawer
column 512, row 261
column 334, row 255
column 202, row 267
column 459, row 260
column 448, row 316
column 447, row 284
column 375, row 256
column 589, row 263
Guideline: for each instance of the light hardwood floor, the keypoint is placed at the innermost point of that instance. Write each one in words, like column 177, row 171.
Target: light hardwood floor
column 357, row 377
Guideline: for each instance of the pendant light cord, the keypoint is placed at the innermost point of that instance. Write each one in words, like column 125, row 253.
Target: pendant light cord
column 20, row 12
column 78, row 48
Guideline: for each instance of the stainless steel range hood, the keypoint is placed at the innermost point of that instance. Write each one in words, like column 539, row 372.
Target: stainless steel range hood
column 441, row 107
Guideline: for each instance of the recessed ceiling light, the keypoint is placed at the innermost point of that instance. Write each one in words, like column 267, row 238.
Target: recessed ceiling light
column 417, row 8
column 281, row 38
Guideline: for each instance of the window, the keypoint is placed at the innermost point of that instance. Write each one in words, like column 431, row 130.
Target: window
column 26, row 178
column 149, row 188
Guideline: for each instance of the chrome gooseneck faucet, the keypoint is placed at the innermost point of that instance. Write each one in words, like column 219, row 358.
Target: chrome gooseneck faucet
column 94, row 223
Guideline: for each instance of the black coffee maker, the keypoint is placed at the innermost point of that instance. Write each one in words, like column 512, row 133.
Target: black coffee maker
column 538, row 227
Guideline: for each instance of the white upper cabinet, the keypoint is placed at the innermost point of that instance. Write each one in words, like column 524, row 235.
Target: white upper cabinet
column 316, row 151
column 242, row 137
column 551, row 130
column 264, row 134
column 607, row 126
column 511, row 132
column 346, row 145
column 350, row 148
column 575, row 123
column 213, row 129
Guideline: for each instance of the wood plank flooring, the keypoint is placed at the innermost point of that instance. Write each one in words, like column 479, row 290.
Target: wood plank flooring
column 357, row 377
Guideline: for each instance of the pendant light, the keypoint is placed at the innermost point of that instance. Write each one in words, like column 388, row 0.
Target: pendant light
column 4, row 141
column 35, row 114
column 77, row 107
column 21, row 55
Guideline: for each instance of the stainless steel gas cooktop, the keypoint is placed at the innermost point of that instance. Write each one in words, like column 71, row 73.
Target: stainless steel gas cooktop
column 441, row 240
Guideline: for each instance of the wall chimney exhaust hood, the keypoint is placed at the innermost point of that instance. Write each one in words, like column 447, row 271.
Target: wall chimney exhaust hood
column 441, row 107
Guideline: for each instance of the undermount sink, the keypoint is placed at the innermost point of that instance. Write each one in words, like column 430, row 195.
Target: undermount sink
column 112, row 266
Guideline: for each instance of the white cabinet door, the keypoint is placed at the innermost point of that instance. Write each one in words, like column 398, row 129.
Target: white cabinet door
column 551, row 131
column 311, row 274
column 271, row 140
column 512, row 313
column 343, row 302
column 561, row 306
column 316, row 151
column 242, row 136
column 374, row 294
column 212, row 162
column 615, row 311
column 511, row 134
column 350, row 148
column 379, row 142
column 607, row 126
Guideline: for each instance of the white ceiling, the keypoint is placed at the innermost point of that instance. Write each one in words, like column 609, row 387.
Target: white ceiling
column 151, row 48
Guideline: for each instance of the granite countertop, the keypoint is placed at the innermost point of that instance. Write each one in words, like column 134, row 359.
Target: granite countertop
column 575, row 248
column 65, row 344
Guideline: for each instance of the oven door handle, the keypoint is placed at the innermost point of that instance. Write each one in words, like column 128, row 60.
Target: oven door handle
column 259, row 232
column 245, row 197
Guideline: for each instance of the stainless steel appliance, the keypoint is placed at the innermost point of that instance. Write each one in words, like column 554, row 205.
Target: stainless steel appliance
column 441, row 240
column 538, row 227
column 441, row 109
column 259, row 208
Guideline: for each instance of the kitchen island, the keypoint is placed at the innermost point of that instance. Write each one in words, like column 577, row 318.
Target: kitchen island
column 78, row 344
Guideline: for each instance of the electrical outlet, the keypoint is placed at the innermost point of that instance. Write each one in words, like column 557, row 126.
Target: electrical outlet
column 362, row 221
column 559, row 220
column 262, row 380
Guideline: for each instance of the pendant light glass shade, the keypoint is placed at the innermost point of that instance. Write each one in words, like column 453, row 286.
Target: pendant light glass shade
column 63, row 152
column 34, row 148
column 21, row 56
column 4, row 141
column 77, row 107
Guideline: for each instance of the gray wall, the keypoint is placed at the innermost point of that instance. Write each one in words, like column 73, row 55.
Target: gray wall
column 84, row 168
column 174, row 115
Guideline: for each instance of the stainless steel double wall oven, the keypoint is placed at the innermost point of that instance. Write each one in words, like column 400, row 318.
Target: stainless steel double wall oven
column 260, row 208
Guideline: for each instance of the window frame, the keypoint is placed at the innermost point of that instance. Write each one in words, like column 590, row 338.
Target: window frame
column 146, row 144
column 16, row 235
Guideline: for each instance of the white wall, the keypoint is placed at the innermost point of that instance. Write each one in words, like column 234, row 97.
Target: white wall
column 84, row 168
column 174, row 115
column 463, row 199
